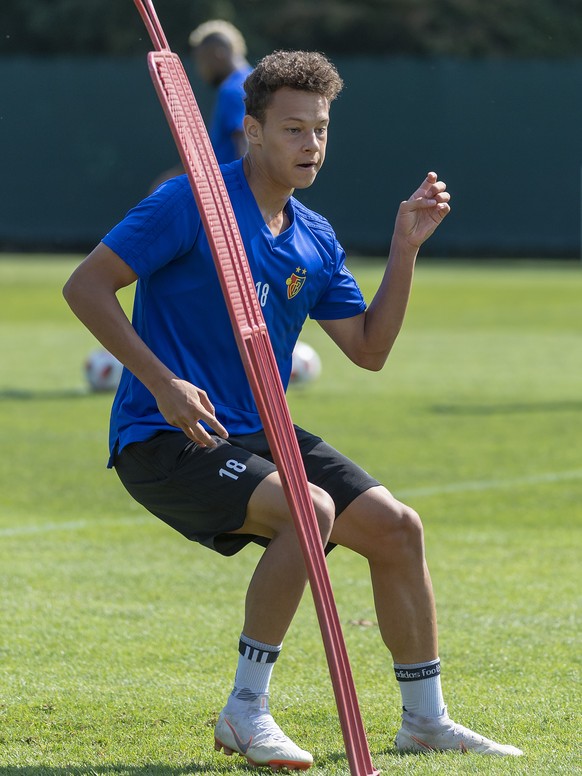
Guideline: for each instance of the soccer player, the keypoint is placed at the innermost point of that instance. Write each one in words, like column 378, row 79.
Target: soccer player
column 186, row 439
column 219, row 51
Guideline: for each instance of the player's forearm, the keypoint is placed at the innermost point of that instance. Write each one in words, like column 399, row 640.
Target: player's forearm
column 100, row 311
column 385, row 315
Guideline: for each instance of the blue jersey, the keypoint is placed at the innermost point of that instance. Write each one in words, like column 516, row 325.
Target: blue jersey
column 180, row 312
column 228, row 116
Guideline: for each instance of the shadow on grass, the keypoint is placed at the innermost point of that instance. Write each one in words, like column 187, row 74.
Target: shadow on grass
column 234, row 765
column 507, row 409
column 110, row 770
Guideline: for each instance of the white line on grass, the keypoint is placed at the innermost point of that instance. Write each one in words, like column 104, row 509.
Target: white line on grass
column 475, row 485
column 436, row 490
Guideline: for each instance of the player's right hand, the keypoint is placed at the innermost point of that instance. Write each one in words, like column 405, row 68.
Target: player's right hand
column 183, row 405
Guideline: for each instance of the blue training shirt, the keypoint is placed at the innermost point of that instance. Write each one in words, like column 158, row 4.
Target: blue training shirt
column 180, row 312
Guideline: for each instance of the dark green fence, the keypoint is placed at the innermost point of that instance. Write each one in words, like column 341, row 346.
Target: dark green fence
column 82, row 139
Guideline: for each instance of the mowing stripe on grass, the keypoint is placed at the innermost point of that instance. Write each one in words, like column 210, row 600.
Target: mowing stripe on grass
column 436, row 490
column 73, row 525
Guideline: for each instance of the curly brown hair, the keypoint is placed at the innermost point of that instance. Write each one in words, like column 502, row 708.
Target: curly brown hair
column 307, row 71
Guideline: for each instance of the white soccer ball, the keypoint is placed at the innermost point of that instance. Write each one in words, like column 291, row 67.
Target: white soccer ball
column 306, row 364
column 102, row 371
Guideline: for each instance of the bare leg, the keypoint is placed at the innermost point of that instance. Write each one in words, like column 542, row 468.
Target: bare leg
column 245, row 724
column 280, row 577
column 389, row 534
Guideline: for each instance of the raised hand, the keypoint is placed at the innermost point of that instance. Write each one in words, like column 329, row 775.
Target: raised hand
column 419, row 216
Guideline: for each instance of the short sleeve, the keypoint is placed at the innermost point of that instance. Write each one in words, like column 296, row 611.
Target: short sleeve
column 158, row 230
column 342, row 298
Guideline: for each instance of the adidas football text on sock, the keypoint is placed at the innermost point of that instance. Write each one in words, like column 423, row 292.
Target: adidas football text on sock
column 420, row 687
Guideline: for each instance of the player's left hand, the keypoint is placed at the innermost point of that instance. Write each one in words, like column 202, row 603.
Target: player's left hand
column 419, row 216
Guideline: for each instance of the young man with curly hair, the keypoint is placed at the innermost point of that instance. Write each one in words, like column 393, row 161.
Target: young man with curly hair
column 186, row 438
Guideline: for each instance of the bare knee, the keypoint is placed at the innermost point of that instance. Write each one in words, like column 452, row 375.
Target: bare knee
column 324, row 508
column 382, row 529
column 324, row 511
column 269, row 515
column 404, row 531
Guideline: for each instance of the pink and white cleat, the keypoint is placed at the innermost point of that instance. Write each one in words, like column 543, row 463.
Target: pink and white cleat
column 257, row 737
column 427, row 734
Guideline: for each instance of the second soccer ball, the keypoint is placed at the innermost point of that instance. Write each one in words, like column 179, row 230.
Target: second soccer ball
column 306, row 366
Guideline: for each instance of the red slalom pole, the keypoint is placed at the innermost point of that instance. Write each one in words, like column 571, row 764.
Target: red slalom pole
column 191, row 138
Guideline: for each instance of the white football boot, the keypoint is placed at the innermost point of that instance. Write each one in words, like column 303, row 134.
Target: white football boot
column 426, row 734
column 257, row 737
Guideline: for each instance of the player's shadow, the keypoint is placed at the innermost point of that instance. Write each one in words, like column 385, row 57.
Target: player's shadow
column 227, row 765
column 511, row 408
column 233, row 767
column 23, row 394
column 111, row 770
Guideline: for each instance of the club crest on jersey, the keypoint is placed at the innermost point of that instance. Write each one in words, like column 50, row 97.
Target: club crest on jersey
column 296, row 282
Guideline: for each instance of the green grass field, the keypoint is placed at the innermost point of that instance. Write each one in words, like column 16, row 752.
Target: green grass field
column 118, row 638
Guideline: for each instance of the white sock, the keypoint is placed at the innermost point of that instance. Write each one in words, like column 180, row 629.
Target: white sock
column 420, row 687
column 255, row 665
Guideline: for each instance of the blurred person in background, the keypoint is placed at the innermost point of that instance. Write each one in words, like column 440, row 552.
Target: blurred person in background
column 219, row 51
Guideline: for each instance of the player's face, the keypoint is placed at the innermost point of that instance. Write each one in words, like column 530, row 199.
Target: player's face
column 289, row 146
column 212, row 62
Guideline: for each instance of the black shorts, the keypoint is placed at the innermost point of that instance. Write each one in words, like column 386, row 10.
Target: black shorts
column 203, row 492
